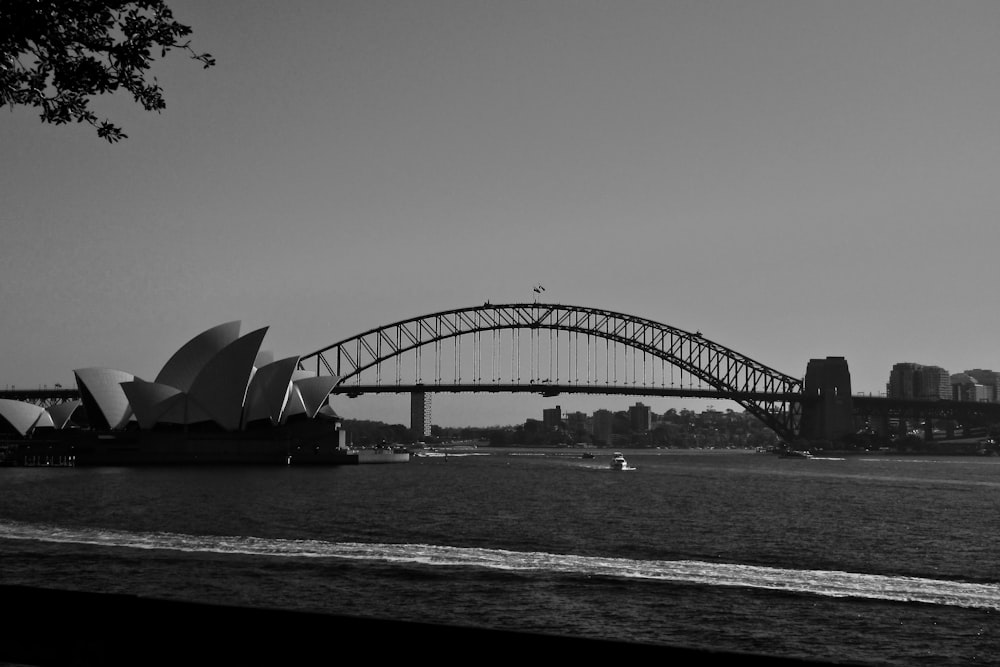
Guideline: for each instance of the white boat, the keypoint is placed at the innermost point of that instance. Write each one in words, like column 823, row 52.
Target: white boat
column 797, row 454
column 618, row 462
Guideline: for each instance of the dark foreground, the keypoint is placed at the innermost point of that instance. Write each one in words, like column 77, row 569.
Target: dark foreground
column 55, row 627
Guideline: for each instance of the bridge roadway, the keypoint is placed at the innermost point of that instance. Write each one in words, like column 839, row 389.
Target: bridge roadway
column 544, row 388
column 928, row 408
column 863, row 403
column 553, row 389
column 41, row 395
column 863, row 406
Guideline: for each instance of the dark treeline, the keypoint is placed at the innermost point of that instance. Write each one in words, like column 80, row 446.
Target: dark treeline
column 366, row 433
column 673, row 429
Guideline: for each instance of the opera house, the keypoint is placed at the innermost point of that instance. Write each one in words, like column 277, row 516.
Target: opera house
column 218, row 399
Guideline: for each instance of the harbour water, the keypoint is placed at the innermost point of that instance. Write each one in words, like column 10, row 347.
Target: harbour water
column 864, row 559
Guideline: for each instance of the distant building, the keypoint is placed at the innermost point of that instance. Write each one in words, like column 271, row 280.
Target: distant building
column 640, row 418
column 965, row 388
column 420, row 414
column 935, row 382
column 901, row 380
column 552, row 418
column 603, row 422
column 711, row 417
column 910, row 380
column 990, row 380
column 576, row 422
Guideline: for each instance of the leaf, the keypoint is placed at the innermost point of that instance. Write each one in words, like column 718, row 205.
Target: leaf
column 77, row 50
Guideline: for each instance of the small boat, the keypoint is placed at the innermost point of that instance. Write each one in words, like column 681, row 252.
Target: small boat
column 618, row 462
column 796, row 454
column 587, row 455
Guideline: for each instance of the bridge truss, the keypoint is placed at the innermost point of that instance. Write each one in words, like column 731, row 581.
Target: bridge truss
column 43, row 398
column 553, row 348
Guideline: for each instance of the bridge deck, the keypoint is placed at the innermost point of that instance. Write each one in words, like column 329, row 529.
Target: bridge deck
column 552, row 389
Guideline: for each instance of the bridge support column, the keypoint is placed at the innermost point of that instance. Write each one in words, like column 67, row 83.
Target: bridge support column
column 884, row 427
column 828, row 407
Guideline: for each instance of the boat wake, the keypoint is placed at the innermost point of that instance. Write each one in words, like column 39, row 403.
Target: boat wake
column 828, row 583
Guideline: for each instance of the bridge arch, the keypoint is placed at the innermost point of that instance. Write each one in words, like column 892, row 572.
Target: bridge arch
column 765, row 392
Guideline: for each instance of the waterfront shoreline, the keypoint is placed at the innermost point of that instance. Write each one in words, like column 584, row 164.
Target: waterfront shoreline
column 52, row 626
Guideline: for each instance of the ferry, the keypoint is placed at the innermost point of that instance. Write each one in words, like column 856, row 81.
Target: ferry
column 395, row 454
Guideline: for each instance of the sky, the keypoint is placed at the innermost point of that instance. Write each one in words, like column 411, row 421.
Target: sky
column 795, row 179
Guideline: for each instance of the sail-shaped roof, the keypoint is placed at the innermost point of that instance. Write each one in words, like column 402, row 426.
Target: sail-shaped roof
column 181, row 409
column 18, row 415
column 44, row 421
column 269, row 390
column 294, row 405
column 149, row 400
column 328, row 411
column 218, row 376
column 186, row 363
column 221, row 386
column 314, row 391
column 103, row 397
column 62, row 413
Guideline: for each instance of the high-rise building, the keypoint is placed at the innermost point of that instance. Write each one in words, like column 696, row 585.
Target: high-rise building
column 910, row 380
column 420, row 414
column 990, row 381
column 552, row 418
column 964, row 387
column 576, row 422
column 901, row 381
column 935, row 382
column 603, row 426
column 639, row 417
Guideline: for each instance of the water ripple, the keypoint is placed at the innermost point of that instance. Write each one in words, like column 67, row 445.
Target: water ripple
column 828, row 583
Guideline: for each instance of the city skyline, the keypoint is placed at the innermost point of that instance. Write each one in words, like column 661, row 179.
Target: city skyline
column 785, row 177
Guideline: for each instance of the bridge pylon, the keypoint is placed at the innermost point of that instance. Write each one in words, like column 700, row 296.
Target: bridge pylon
column 827, row 405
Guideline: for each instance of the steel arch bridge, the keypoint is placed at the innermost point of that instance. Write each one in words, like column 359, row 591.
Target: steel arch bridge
column 558, row 348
